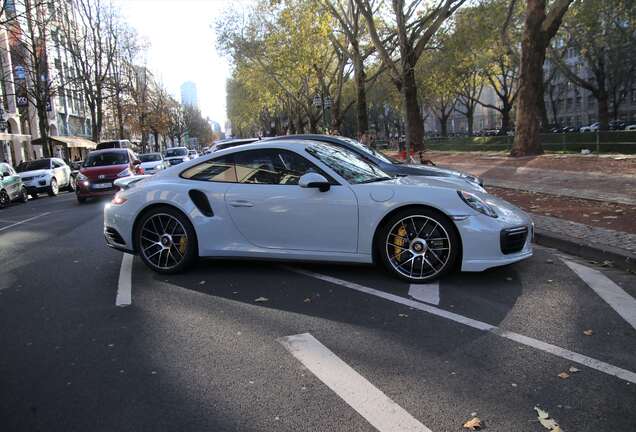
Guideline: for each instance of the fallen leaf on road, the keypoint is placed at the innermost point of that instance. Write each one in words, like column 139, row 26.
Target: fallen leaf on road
column 573, row 369
column 403, row 315
column 541, row 414
column 261, row 299
column 588, row 332
column 202, row 283
column 508, row 278
column 546, row 421
column 307, row 300
column 549, row 261
column 473, row 424
column 564, row 375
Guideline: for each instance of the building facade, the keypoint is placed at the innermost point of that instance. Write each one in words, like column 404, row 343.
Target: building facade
column 189, row 94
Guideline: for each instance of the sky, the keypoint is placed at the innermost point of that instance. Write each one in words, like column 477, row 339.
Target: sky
column 182, row 47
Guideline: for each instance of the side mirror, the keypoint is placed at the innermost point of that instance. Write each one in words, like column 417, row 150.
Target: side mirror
column 314, row 180
column 136, row 162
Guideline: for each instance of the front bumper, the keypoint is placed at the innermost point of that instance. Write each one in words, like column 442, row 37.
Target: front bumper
column 37, row 184
column 87, row 189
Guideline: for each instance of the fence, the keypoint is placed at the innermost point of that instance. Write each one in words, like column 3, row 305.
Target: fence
column 597, row 142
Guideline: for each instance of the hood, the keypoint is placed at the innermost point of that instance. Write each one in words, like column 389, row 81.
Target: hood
column 455, row 180
column 32, row 173
column 109, row 171
column 442, row 172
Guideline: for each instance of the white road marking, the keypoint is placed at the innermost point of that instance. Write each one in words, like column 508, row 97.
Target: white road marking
column 370, row 402
column 615, row 296
column 428, row 293
column 590, row 362
column 24, row 221
column 124, row 286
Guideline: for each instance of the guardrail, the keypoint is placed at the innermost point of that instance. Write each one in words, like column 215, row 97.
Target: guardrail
column 596, row 142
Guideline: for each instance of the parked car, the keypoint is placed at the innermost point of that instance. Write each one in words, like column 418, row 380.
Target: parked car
column 590, row 128
column 48, row 175
column 176, row 155
column 193, row 154
column 220, row 145
column 631, row 127
column 114, row 144
column 617, row 125
column 101, row 168
column 387, row 163
column 11, row 186
column 313, row 201
column 152, row 162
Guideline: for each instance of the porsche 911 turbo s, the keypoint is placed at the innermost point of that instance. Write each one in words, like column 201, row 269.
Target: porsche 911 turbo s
column 312, row 201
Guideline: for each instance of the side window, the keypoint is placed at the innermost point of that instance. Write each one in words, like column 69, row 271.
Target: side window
column 216, row 170
column 272, row 166
column 55, row 164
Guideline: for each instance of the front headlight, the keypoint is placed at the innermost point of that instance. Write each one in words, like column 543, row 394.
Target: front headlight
column 41, row 176
column 81, row 177
column 477, row 203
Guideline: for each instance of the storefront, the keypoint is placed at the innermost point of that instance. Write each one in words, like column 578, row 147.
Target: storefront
column 69, row 148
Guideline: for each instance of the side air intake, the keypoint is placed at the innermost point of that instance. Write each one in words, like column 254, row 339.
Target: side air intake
column 201, row 201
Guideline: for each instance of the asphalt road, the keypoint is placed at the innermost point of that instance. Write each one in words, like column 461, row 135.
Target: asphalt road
column 196, row 352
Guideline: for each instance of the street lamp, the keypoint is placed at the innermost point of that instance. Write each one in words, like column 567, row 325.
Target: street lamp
column 324, row 102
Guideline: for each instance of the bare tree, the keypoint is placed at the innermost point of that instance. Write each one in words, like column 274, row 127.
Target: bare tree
column 415, row 27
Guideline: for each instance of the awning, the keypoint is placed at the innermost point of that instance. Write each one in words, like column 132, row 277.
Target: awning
column 68, row 141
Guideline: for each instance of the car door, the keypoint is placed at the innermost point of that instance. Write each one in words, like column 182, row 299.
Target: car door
column 59, row 172
column 269, row 208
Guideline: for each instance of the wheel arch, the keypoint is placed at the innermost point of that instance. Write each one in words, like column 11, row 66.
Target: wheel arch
column 390, row 214
column 154, row 206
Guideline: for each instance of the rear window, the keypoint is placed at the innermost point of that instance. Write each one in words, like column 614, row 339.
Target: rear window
column 176, row 152
column 106, row 159
column 150, row 157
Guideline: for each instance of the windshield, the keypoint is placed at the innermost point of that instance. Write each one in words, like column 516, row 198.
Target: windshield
column 105, row 159
column 39, row 164
column 150, row 157
column 176, row 152
column 370, row 151
column 347, row 164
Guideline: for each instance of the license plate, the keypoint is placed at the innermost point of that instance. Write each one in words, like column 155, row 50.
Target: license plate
column 102, row 185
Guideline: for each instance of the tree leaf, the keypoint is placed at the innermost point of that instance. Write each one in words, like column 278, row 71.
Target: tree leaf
column 473, row 424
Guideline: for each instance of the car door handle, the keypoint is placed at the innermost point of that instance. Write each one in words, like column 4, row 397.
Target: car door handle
column 241, row 203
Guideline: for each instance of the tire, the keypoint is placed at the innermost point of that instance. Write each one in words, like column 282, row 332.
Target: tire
column 24, row 194
column 418, row 244
column 81, row 200
column 166, row 250
column 34, row 195
column 53, row 188
column 5, row 200
column 72, row 183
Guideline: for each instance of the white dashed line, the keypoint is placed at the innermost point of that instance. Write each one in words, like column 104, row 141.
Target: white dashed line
column 24, row 221
column 370, row 402
column 428, row 293
column 615, row 296
column 590, row 362
column 124, row 286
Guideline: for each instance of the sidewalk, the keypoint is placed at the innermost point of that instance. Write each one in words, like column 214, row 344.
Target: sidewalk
column 594, row 197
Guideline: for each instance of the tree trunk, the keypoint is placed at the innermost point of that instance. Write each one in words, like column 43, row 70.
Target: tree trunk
column 530, row 103
column 361, row 95
column 603, row 111
column 414, row 125
column 505, row 119
column 443, row 121
column 470, row 119
column 120, row 115
column 43, row 123
column 156, row 135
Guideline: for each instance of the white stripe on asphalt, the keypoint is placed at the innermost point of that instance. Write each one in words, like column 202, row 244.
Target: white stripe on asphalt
column 428, row 293
column 525, row 340
column 615, row 296
column 376, row 407
column 24, row 221
column 124, row 286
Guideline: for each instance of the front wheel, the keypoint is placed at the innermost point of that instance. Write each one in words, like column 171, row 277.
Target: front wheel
column 24, row 194
column 166, row 240
column 53, row 188
column 72, row 183
column 5, row 200
column 418, row 244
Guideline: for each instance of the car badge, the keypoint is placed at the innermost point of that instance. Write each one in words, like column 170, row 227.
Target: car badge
column 101, row 176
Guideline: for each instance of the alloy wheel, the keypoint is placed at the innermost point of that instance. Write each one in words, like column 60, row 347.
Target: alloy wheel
column 4, row 199
column 418, row 247
column 163, row 241
column 54, row 188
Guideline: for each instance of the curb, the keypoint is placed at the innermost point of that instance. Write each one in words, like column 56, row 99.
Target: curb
column 620, row 259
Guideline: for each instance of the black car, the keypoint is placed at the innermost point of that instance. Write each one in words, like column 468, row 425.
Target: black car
column 386, row 163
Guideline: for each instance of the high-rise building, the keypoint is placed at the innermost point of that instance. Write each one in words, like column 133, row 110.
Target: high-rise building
column 189, row 94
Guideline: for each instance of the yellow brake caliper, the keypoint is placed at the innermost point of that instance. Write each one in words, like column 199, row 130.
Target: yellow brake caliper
column 400, row 241
column 182, row 245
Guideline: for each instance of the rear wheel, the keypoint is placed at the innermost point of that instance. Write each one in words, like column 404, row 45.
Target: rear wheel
column 4, row 199
column 24, row 194
column 166, row 240
column 53, row 188
column 418, row 244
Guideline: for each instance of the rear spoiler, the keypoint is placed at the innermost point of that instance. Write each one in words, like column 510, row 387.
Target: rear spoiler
column 130, row 181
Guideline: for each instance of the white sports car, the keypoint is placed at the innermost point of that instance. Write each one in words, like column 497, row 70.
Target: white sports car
column 311, row 201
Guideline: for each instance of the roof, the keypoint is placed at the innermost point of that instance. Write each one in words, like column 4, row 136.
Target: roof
column 68, row 141
column 110, row 150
